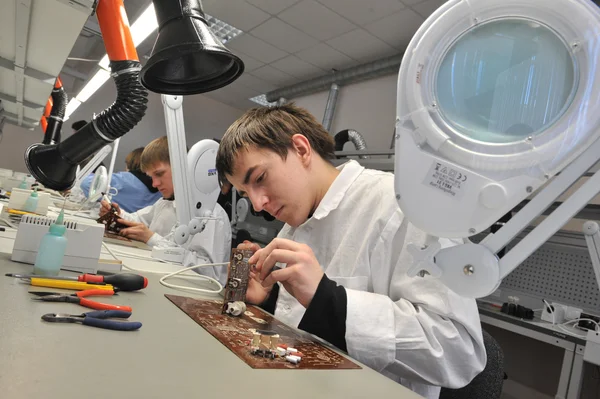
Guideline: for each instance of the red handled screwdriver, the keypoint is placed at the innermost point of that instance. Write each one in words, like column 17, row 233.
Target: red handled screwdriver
column 122, row 282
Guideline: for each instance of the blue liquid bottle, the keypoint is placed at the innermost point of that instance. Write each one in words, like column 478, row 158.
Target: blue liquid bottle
column 32, row 202
column 52, row 249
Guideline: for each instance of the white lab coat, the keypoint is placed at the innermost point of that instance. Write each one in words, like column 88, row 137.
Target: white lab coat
column 413, row 330
column 159, row 217
column 212, row 245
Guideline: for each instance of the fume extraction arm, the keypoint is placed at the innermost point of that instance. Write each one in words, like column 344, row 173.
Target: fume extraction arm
column 54, row 113
column 55, row 165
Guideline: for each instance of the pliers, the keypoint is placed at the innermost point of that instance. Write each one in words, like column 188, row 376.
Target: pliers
column 79, row 298
column 96, row 319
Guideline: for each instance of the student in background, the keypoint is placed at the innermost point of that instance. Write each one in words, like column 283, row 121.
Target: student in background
column 154, row 224
column 134, row 187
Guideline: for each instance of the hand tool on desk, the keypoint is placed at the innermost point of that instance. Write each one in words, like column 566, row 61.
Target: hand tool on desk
column 67, row 285
column 96, row 319
column 80, row 299
column 123, row 281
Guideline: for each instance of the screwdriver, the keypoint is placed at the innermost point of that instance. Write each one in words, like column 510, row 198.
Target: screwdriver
column 123, row 282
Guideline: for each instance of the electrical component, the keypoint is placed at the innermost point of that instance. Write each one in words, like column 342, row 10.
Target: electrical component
column 590, row 324
column 517, row 311
column 554, row 313
column 84, row 242
column 293, row 359
column 237, row 277
column 236, row 308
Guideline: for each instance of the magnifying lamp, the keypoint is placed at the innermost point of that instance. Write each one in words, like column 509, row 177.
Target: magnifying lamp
column 498, row 100
column 99, row 184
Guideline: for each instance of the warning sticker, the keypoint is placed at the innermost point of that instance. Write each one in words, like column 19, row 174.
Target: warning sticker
column 446, row 179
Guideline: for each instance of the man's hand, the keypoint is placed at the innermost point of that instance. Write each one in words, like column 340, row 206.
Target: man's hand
column 105, row 207
column 136, row 231
column 256, row 293
column 300, row 277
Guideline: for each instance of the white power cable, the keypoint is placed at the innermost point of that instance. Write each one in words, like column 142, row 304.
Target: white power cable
column 209, row 279
column 175, row 273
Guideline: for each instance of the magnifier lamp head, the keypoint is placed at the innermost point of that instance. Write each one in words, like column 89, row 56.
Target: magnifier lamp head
column 99, row 184
column 493, row 100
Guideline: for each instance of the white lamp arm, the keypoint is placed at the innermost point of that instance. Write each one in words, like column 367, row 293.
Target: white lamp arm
column 195, row 181
column 92, row 164
column 591, row 231
column 474, row 270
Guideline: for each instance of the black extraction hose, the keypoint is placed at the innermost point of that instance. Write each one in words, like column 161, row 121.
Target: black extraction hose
column 343, row 136
column 57, row 114
column 131, row 103
column 55, row 165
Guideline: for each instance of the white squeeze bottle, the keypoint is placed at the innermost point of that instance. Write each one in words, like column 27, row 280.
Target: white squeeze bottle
column 52, row 249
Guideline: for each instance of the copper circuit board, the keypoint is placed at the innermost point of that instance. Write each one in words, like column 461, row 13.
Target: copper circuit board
column 236, row 333
column 237, row 277
column 110, row 222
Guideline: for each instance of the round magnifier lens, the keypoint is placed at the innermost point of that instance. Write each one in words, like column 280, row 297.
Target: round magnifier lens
column 505, row 80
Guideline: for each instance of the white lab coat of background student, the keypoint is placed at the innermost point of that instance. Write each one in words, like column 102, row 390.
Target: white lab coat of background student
column 159, row 217
column 212, row 245
column 415, row 330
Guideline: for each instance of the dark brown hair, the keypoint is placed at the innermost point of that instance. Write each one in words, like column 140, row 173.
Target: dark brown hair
column 272, row 128
column 132, row 160
column 156, row 151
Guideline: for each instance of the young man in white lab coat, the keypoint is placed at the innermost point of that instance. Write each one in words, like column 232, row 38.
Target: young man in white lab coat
column 154, row 224
column 344, row 250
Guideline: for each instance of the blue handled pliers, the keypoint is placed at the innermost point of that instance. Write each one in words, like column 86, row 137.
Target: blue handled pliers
column 97, row 319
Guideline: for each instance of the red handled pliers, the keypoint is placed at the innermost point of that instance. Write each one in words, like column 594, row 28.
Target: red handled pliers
column 79, row 298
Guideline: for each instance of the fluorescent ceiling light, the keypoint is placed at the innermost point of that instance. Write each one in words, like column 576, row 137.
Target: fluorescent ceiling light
column 93, row 85
column 262, row 100
column 73, row 104
column 143, row 27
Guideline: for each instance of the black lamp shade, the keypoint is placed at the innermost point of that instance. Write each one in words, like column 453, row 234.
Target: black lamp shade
column 187, row 58
column 59, row 176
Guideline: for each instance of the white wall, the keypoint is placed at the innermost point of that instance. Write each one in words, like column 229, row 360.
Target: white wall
column 368, row 107
column 15, row 141
column 204, row 118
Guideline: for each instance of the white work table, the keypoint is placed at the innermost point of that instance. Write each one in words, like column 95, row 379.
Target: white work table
column 169, row 357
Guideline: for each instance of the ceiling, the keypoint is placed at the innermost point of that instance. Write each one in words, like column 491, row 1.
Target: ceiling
column 283, row 41
column 30, row 57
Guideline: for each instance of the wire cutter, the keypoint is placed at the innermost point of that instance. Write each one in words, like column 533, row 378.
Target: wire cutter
column 96, row 319
column 79, row 298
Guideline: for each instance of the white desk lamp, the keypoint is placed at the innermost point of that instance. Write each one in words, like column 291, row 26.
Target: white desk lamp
column 111, row 167
column 495, row 99
column 195, row 180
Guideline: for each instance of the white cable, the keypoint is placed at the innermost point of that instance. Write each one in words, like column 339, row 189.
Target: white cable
column 171, row 274
column 583, row 319
column 209, row 279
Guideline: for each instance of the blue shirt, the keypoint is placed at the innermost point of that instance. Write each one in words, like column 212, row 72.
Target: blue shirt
column 132, row 194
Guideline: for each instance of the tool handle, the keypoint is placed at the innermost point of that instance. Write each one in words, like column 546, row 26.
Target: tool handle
column 124, row 281
column 94, row 292
column 112, row 324
column 106, row 314
column 68, row 285
column 102, row 306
